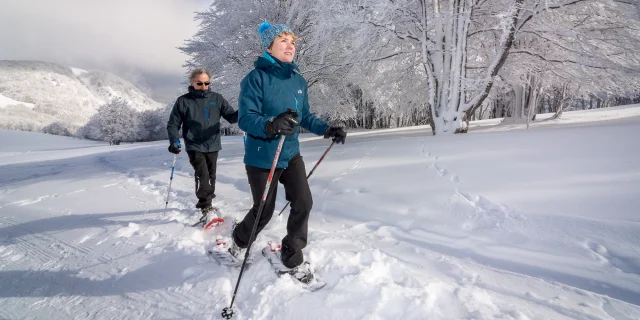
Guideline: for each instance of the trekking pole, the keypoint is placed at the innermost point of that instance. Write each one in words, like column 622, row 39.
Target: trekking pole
column 228, row 312
column 310, row 173
column 173, row 167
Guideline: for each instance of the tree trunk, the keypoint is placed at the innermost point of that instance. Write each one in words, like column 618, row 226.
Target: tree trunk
column 563, row 96
column 499, row 112
column 534, row 98
column 445, row 65
column 520, row 100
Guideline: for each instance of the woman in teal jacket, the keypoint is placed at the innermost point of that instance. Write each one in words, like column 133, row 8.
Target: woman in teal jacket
column 273, row 101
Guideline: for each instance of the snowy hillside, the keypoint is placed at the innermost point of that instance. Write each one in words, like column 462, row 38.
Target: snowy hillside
column 4, row 102
column 499, row 223
column 34, row 94
column 107, row 86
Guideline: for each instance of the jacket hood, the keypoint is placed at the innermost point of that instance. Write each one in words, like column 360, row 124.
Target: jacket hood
column 274, row 66
column 198, row 93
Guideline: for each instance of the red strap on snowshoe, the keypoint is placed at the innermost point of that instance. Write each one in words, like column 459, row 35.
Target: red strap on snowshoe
column 274, row 247
column 216, row 221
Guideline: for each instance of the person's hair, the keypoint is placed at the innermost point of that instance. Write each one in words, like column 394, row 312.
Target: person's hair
column 195, row 73
column 280, row 35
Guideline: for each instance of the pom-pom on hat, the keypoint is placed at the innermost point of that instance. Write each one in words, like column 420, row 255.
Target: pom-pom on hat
column 268, row 32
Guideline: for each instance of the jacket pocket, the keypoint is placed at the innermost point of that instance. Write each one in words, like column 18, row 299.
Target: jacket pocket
column 194, row 131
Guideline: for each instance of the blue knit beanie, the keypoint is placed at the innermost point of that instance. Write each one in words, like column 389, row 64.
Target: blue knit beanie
column 269, row 32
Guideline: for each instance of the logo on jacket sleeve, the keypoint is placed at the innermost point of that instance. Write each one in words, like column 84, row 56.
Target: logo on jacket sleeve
column 299, row 91
column 213, row 103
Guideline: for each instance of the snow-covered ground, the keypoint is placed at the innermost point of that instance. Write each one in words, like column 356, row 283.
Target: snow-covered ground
column 500, row 223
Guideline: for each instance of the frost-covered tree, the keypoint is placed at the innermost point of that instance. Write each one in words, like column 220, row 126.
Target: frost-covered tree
column 56, row 128
column 115, row 121
column 593, row 46
column 153, row 123
column 433, row 61
column 457, row 48
column 227, row 42
column 416, row 43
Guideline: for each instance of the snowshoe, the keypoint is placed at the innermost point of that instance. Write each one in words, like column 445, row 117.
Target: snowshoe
column 227, row 253
column 209, row 218
column 302, row 273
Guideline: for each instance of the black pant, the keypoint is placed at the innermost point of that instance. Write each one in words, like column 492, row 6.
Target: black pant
column 297, row 191
column 204, row 164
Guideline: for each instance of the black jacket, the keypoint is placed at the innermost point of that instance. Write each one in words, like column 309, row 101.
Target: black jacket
column 198, row 113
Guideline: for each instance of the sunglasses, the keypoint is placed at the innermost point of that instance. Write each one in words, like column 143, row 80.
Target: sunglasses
column 201, row 83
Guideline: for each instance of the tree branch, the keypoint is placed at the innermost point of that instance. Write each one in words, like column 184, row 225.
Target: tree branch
column 351, row 63
column 470, row 34
column 527, row 18
column 407, row 34
column 392, row 55
column 499, row 59
column 555, row 42
column 629, row 2
column 541, row 57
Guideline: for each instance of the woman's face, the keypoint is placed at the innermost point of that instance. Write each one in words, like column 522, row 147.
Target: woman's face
column 283, row 47
column 201, row 82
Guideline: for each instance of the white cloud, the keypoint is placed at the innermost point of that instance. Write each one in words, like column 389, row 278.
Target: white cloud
column 119, row 36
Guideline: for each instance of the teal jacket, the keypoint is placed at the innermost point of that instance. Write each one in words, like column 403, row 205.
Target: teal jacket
column 267, row 91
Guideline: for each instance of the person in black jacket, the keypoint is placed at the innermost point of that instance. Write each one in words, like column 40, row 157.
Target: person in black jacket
column 198, row 112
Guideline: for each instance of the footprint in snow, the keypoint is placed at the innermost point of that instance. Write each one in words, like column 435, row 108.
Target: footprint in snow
column 110, row 185
column 597, row 248
column 625, row 262
column 445, row 173
column 128, row 231
column 404, row 224
column 32, row 201
column 84, row 239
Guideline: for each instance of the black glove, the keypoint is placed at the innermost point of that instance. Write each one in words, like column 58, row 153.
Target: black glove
column 282, row 124
column 175, row 148
column 339, row 135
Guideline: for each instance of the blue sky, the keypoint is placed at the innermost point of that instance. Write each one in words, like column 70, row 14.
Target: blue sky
column 136, row 40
